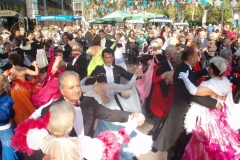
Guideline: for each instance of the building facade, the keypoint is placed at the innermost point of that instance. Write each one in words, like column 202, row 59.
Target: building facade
column 32, row 8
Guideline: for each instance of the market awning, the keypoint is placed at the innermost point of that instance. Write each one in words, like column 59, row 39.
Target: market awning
column 58, row 18
column 118, row 16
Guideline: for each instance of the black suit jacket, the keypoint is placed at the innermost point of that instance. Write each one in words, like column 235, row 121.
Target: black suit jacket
column 67, row 52
column 91, row 110
column 118, row 72
column 80, row 66
column 108, row 43
column 164, row 68
column 173, row 126
column 89, row 39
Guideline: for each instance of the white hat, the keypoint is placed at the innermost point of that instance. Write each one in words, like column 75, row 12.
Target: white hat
column 220, row 63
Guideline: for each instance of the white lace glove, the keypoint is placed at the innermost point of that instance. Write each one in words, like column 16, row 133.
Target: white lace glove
column 190, row 87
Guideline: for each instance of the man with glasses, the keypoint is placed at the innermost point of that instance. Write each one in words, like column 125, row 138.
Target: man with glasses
column 79, row 64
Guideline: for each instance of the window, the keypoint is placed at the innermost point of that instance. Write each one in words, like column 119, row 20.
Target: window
column 3, row 6
column 8, row 6
column 78, row 6
column 35, row 5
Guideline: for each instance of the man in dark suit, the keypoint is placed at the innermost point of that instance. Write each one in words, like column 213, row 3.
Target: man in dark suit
column 79, row 64
column 113, row 72
column 88, row 38
column 173, row 130
column 204, row 40
column 16, row 47
column 87, row 108
column 67, row 49
column 166, row 66
column 104, row 41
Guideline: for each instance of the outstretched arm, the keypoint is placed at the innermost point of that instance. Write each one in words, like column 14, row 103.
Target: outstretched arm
column 201, row 94
column 85, row 88
column 124, row 87
column 193, row 90
column 32, row 73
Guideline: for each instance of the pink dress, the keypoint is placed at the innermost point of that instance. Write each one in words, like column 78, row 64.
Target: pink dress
column 50, row 90
column 215, row 133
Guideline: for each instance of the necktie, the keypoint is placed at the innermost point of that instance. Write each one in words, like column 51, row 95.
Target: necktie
column 77, row 104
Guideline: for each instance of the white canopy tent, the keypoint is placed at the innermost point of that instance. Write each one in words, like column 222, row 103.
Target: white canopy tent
column 161, row 20
column 136, row 21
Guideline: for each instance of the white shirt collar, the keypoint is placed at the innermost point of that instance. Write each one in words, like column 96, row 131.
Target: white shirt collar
column 109, row 73
column 71, row 102
column 106, row 67
column 75, row 59
column 170, row 64
column 189, row 66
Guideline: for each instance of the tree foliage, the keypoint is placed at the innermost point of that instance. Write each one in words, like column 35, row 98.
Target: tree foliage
column 190, row 11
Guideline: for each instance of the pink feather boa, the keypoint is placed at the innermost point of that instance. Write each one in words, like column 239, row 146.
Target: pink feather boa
column 19, row 140
column 112, row 146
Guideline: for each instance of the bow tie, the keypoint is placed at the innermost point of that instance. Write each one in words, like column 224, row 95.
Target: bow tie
column 109, row 68
column 77, row 104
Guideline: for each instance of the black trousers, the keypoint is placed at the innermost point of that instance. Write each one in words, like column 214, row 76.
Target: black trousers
column 182, row 142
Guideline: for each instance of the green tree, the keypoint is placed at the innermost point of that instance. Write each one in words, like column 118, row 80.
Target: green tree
column 214, row 14
column 192, row 12
column 157, row 9
column 171, row 11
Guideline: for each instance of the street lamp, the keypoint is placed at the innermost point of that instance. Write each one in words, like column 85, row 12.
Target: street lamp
column 180, row 8
column 218, row 4
column 235, row 16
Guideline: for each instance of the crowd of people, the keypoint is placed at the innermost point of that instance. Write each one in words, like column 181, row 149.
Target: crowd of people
column 55, row 83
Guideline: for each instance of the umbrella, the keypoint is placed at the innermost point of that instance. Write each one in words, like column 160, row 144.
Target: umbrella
column 116, row 17
column 145, row 15
column 99, row 22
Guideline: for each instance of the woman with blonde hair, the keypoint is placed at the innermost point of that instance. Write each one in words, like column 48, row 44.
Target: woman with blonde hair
column 211, row 46
column 51, row 136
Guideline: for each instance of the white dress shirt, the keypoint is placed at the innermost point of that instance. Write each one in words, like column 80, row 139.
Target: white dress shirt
column 103, row 42
column 109, row 73
column 74, row 60
column 78, row 122
column 189, row 66
column 170, row 64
